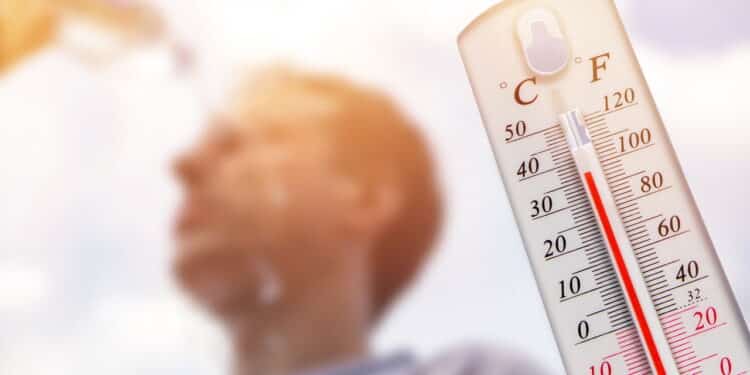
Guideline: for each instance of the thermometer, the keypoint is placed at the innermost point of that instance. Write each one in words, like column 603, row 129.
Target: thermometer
column 627, row 272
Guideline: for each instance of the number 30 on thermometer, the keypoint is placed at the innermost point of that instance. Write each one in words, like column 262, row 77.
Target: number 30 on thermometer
column 628, row 274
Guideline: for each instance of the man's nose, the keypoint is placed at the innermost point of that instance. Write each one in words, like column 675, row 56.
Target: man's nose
column 187, row 169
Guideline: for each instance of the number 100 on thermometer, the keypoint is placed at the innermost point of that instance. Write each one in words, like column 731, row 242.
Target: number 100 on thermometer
column 628, row 274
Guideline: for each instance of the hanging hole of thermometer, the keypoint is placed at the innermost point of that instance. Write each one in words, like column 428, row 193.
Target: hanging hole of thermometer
column 624, row 264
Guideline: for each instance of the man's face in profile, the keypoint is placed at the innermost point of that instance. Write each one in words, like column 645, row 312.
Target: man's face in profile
column 263, row 205
column 311, row 197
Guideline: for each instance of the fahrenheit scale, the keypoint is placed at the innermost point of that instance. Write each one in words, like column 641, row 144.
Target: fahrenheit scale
column 625, row 266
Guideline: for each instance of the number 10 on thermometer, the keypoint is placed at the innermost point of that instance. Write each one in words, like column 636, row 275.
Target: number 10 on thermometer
column 628, row 274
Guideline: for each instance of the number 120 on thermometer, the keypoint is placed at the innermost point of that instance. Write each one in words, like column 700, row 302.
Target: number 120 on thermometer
column 628, row 274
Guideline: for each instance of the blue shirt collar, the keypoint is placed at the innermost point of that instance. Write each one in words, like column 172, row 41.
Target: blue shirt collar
column 398, row 364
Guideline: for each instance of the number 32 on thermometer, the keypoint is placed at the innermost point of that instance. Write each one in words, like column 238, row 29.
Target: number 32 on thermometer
column 628, row 274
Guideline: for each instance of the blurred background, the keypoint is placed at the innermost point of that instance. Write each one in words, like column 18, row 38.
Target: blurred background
column 90, row 123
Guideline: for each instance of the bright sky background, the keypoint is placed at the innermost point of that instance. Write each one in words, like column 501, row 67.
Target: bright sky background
column 86, row 200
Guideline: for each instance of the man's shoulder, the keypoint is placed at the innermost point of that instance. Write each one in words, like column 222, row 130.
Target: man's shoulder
column 480, row 360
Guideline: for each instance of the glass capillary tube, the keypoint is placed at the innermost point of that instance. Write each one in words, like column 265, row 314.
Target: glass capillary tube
column 624, row 260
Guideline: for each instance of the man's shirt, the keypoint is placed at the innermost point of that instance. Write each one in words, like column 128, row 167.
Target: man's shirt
column 469, row 361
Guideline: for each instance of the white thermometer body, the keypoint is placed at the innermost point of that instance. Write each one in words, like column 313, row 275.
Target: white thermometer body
column 628, row 274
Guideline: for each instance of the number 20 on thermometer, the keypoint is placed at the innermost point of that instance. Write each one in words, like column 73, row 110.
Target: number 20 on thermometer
column 629, row 277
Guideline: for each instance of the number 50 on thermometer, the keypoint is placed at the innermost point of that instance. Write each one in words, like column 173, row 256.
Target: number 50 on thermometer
column 628, row 274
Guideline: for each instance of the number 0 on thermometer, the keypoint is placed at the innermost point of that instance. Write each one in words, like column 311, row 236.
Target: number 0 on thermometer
column 625, row 266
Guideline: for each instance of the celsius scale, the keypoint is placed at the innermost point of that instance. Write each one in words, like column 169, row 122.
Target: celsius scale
column 629, row 277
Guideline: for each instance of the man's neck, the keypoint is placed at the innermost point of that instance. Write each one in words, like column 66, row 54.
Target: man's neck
column 324, row 326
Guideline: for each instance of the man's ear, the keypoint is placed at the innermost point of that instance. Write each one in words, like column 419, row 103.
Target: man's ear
column 376, row 209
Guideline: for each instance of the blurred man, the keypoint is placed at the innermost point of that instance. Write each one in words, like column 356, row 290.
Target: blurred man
column 309, row 207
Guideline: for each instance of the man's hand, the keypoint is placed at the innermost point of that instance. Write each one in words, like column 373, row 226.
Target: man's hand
column 25, row 26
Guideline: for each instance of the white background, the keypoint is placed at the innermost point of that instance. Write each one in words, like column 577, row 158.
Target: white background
column 86, row 199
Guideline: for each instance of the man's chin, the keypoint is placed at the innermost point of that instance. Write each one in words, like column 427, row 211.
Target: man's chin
column 222, row 281
column 219, row 295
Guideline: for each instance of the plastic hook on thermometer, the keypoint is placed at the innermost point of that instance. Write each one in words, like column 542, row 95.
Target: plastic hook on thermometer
column 628, row 274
